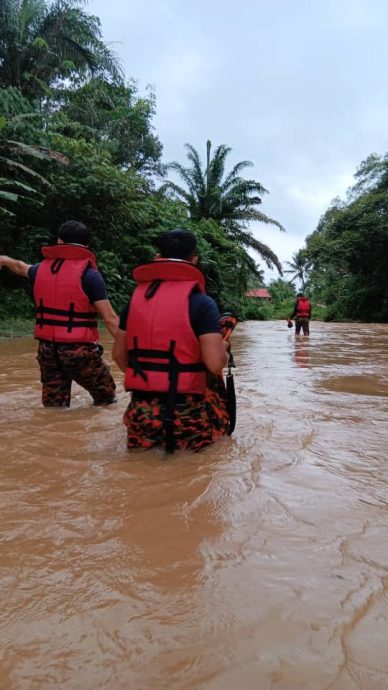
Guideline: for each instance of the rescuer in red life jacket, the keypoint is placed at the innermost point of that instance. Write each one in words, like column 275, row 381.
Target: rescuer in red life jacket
column 302, row 314
column 168, row 339
column 69, row 293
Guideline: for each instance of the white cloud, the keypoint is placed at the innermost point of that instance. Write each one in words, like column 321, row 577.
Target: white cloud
column 297, row 87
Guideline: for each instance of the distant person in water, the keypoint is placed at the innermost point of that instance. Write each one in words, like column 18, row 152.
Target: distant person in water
column 69, row 294
column 302, row 314
column 168, row 339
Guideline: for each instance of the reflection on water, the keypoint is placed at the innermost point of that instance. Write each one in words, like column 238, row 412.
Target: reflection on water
column 258, row 564
column 301, row 352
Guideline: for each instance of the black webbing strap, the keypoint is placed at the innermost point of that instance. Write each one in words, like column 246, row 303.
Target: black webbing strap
column 71, row 318
column 173, row 375
column 40, row 310
column 57, row 322
column 65, row 312
column 56, row 265
column 173, row 368
column 88, row 318
column 155, row 285
column 231, row 395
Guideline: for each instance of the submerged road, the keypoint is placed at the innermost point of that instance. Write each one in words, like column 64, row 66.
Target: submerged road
column 259, row 564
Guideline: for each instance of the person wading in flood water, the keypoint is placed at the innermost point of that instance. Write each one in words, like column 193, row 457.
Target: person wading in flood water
column 69, row 293
column 302, row 314
column 168, row 339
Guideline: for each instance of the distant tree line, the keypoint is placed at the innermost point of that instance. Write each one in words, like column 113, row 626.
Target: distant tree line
column 345, row 261
column 77, row 141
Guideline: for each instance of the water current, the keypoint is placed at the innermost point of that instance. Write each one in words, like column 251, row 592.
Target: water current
column 259, row 564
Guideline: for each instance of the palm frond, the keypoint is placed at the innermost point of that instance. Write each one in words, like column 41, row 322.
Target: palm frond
column 246, row 239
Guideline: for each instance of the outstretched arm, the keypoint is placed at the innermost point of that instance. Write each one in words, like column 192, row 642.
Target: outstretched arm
column 109, row 316
column 18, row 267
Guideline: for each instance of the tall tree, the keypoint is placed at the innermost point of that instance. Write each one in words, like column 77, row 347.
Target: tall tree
column 226, row 197
column 117, row 119
column 349, row 248
column 43, row 42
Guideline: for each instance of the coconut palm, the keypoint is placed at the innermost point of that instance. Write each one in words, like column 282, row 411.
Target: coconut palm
column 299, row 266
column 43, row 42
column 228, row 198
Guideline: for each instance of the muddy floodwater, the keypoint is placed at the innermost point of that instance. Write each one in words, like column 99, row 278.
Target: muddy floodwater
column 259, row 564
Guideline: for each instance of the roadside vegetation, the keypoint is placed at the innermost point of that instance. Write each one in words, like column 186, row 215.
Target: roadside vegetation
column 77, row 140
column 346, row 257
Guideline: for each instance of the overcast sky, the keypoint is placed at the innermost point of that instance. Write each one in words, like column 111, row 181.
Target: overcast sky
column 299, row 87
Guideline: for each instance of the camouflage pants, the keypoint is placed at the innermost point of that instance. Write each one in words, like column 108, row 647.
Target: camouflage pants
column 303, row 324
column 197, row 423
column 60, row 364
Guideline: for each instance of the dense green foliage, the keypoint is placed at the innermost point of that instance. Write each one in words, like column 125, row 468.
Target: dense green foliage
column 63, row 100
column 349, row 249
column 279, row 307
column 42, row 43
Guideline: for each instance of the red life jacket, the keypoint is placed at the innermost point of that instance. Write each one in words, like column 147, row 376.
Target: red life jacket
column 303, row 308
column 63, row 311
column 163, row 351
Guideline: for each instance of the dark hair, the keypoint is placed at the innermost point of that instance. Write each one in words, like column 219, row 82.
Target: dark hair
column 177, row 244
column 74, row 232
column 300, row 294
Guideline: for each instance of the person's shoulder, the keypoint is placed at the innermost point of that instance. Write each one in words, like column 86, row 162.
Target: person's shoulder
column 92, row 271
column 204, row 314
column 94, row 285
column 202, row 300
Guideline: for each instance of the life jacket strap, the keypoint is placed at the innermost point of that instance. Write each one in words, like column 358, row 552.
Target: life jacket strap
column 88, row 317
column 173, row 368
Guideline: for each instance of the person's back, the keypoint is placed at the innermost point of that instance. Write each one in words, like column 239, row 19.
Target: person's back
column 302, row 314
column 69, row 293
column 168, row 338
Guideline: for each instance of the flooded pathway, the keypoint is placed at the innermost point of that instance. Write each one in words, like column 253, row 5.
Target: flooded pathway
column 260, row 564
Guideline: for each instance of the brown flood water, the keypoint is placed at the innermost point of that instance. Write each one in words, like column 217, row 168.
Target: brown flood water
column 260, row 564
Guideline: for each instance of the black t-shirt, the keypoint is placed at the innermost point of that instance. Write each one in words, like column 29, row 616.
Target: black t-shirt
column 93, row 283
column 204, row 314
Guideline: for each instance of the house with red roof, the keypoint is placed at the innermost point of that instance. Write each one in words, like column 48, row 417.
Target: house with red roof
column 259, row 293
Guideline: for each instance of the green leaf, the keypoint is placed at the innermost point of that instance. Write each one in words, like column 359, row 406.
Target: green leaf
column 39, row 42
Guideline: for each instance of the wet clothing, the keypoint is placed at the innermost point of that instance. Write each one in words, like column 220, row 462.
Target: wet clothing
column 198, row 421
column 164, row 319
column 63, row 362
column 302, row 324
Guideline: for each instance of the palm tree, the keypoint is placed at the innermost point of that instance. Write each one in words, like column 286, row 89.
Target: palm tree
column 229, row 199
column 43, row 42
column 299, row 266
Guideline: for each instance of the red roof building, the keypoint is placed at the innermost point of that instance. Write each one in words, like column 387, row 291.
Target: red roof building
column 261, row 293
